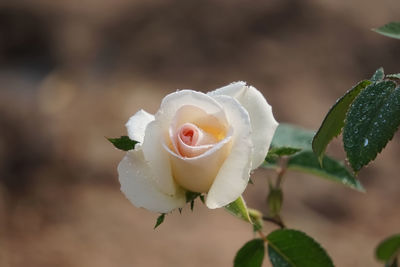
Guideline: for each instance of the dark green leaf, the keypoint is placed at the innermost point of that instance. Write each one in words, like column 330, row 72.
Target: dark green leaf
column 251, row 254
column 391, row 29
column 287, row 135
column 295, row 249
column 191, row 205
column 334, row 120
column 190, row 196
column 160, row 220
column 238, row 208
column 123, row 143
column 388, row 249
column 371, row 122
column 333, row 170
column 276, row 152
column 378, row 75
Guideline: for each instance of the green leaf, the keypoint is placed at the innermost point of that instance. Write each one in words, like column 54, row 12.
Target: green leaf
column 251, row 254
column 123, row 143
column 388, row 249
column 239, row 209
column 379, row 75
column 291, row 136
column 276, row 152
column 293, row 248
column 393, row 76
column 331, row 169
column 334, row 120
column 391, row 29
column 371, row 122
column 160, row 220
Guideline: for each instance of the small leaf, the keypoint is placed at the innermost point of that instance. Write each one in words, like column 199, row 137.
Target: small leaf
column 251, row 254
column 371, row 122
column 294, row 248
column 160, row 220
column 391, row 29
column 334, row 120
column 331, row 169
column 238, row 208
column 393, row 76
column 191, row 205
column 123, row 143
column 288, row 135
column 388, row 249
column 378, row 75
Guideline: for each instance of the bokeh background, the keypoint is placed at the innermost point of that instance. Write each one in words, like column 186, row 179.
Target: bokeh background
column 73, row 72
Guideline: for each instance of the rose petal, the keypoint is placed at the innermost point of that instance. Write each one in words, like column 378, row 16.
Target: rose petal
column 192, row 145
column 262, row 120
column 184, row 99
column 137, row 124
column 136, row 180
column 158, row 158
column 197, row 174
column 234, row 174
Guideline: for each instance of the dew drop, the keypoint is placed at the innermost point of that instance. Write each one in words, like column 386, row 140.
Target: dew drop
column 365, row 141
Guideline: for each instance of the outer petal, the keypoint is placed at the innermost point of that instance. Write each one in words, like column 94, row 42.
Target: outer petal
column 158, row 158
column 137, row 124
column 234, row 174
column 137, row 184
column 262, row 120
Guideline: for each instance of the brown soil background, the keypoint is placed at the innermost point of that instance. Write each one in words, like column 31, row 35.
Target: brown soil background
column 72, row 72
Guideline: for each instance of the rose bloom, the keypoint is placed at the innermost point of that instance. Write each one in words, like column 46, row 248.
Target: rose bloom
column 205, row 143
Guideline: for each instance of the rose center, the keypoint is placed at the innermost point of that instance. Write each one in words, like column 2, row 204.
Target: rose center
column 189, row 134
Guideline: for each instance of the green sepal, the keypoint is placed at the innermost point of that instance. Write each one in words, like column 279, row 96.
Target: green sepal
column 160, row 220
column 238, row 208
column 123, row 143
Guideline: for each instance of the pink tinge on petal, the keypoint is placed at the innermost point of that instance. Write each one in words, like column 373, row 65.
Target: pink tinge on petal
column 189, row 134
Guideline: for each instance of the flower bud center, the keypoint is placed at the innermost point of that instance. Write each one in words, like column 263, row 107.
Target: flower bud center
column 189, row 134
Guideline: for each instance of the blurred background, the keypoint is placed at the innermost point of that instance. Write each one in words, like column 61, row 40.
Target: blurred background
column 73, row 72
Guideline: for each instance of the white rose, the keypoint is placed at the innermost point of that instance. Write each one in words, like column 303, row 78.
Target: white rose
column 206, row 143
